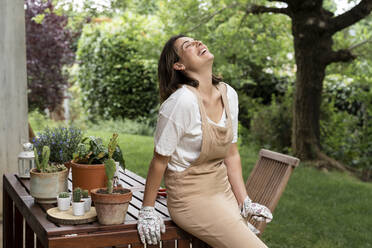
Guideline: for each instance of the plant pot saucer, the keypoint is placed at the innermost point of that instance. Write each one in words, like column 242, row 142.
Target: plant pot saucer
column 68, row 218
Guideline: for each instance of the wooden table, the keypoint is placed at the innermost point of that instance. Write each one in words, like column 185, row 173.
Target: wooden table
column 25, row 220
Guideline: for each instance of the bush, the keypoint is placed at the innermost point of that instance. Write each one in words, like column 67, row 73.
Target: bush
column 271, row 125
column 115, row 79
column 48, row 49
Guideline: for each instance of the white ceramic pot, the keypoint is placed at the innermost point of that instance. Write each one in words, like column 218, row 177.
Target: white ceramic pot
column 87, row 203
column 63, row 203
column 78, row 208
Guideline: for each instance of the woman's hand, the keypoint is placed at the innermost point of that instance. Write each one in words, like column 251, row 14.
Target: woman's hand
column 259, row 212
column 149, row 226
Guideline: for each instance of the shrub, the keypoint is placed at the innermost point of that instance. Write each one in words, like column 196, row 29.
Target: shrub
column 48, row 49
column 62, row 143
column 116, row 81
column 271, row 125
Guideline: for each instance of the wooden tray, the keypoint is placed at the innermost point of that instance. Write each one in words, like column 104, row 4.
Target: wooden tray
column 68, row 218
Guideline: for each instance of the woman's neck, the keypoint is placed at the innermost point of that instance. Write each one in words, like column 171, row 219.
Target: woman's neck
column 204, row 78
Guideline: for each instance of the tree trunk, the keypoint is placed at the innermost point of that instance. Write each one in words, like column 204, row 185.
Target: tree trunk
column 311, row 45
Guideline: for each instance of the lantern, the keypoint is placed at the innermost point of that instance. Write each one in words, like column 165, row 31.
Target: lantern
column 26, row 161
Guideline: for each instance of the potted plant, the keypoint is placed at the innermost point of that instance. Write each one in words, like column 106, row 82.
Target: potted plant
column 62, row 142
column 78, row 208
column 63, row 201
column 88, row 170
column 47, row 180
column 111, row 202
column 87, row 200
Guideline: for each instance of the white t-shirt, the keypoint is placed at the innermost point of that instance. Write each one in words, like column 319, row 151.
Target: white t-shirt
column 178, row 131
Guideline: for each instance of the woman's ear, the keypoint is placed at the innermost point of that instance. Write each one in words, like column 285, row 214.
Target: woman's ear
column 179, row 67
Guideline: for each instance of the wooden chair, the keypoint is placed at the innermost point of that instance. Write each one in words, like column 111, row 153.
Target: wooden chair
column 268, row 179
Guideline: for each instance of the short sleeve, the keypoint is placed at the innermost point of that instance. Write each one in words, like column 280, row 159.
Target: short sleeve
column 173, row 119
column 234, row 110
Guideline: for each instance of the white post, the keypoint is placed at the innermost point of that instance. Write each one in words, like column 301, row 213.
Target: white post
column 13, row 86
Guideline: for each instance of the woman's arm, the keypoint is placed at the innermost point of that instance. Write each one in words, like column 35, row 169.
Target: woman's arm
column 155, row 174
column 234, row 173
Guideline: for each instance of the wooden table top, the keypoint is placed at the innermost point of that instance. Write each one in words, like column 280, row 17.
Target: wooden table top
column 50, row 233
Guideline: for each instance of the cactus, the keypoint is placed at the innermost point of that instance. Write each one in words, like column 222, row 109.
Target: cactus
column 110, row 166
column 85, row 193
column 43, row 165
column 76, row 195
column 63, row 195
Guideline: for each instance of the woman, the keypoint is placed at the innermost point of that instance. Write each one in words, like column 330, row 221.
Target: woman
column 196, row 151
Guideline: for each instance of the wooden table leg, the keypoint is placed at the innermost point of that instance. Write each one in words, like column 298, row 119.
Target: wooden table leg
column 38, row 243
column 18, row 228
column 30, row 239
column 8, row 227
column 183, row 243
column 169, row 244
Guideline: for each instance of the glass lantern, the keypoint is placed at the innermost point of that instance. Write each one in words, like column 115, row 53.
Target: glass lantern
column 26, row 161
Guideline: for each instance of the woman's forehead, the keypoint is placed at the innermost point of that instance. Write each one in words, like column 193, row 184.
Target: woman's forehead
column 181, row 41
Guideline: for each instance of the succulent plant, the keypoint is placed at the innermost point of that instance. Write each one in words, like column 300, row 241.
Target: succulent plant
column 64, row 195
column 76, row 195
column 85, row 193
column 42, row 166
column 110, row 166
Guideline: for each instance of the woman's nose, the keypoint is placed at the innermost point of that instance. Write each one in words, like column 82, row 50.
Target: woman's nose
column 198, row 42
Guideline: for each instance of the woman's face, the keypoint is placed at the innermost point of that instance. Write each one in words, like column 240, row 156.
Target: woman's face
column 193, row 53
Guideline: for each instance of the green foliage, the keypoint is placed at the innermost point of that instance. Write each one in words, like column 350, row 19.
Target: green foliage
column 42, row 165
column 116, row 79
column 110, row 166
column 127, row 126
column 271, row 125
column 61, row 141
column 91, row 150
column 348, row 137
column 76, row 195
column 85, row 193
column 42, row 161
column 64, row 195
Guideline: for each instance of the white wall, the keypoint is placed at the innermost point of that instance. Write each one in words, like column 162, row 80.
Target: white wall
column 13, row 86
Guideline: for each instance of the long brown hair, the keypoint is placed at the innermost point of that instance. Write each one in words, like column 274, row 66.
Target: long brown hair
column 169, row 78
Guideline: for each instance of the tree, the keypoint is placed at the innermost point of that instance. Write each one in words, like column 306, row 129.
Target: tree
column 48, row 49
column 313, row 28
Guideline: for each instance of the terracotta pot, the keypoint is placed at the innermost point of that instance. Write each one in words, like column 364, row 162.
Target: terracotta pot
column 45, row 187
column 111, row 208
column 88, row 176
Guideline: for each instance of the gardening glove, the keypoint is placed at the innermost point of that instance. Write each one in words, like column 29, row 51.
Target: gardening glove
column 252, row 228
column 259, row 212
column 149, row 225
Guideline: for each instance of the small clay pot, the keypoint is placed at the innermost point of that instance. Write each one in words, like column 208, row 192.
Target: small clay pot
column 111, row 208
column 88, row 176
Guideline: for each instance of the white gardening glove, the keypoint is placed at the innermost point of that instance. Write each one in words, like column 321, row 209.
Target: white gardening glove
column 149, row 225
column 259, row 213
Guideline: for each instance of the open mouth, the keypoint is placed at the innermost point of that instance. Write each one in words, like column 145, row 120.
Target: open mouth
column 202, row 52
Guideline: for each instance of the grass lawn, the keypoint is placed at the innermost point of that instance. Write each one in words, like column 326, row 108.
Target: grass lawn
column 316, row 210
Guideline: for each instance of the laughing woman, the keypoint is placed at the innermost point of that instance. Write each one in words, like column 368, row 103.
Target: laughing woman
column 196, row 151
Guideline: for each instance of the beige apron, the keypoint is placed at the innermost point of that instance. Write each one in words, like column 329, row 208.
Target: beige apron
column 200, row 199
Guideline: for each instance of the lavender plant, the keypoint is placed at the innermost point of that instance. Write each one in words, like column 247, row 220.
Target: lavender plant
column 61, row 141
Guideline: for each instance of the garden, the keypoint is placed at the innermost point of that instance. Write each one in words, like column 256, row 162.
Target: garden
column 94, row 108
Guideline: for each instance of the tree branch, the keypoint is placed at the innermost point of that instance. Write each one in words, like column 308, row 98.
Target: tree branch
column 359, row 44
column 209, row 17
column 342, row 55
column 350, row 17
column 258, row 9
